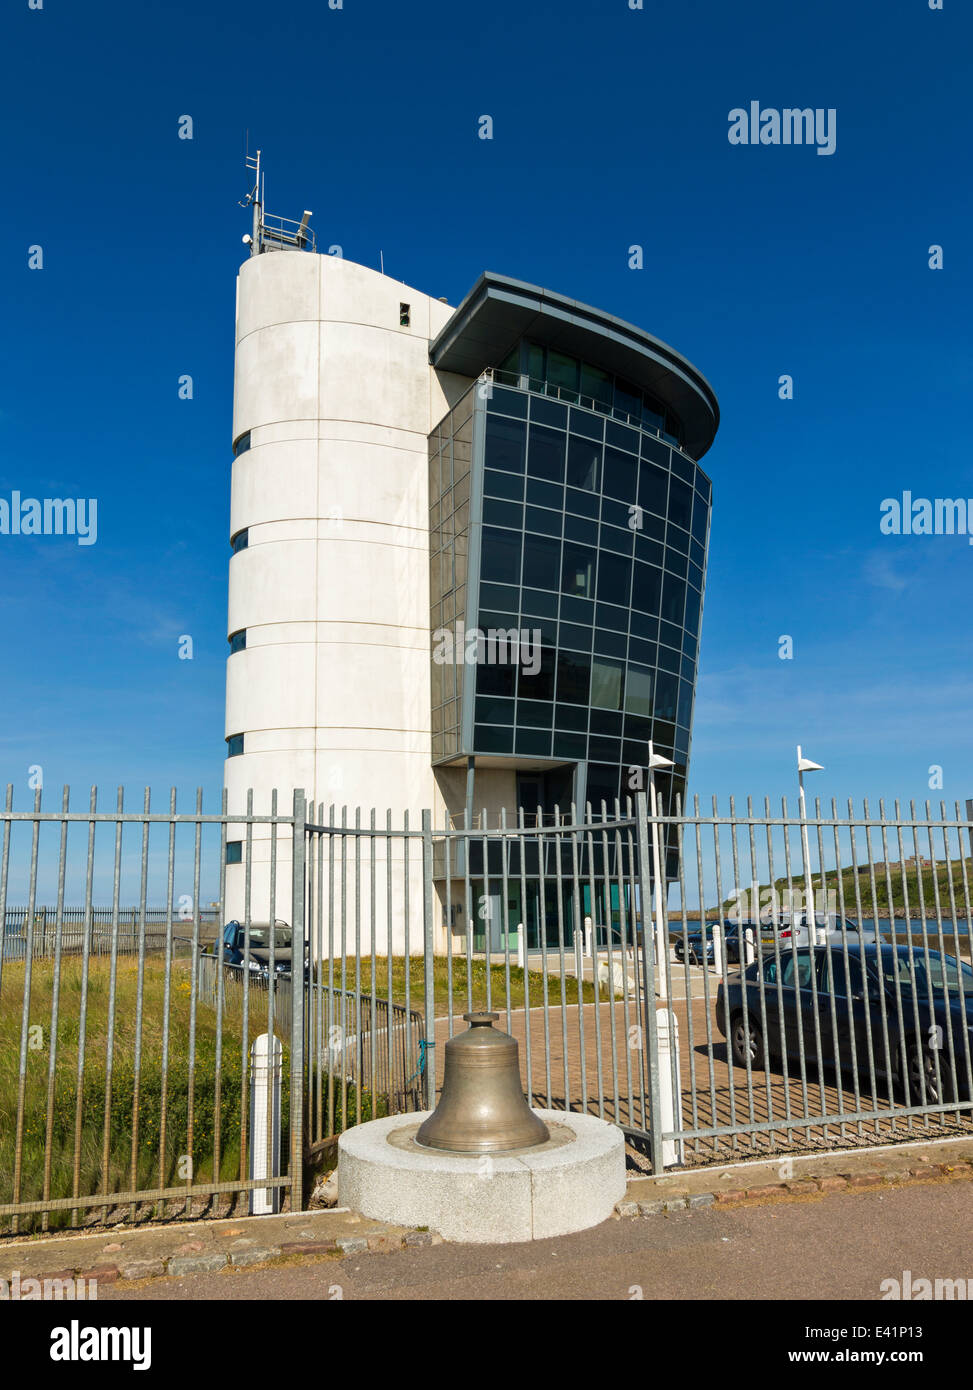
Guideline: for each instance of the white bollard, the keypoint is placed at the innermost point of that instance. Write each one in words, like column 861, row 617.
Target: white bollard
column 717, row 947
column 589, row 939
column 521, row 946
column 749, row 946
column 265, row 1066
column 670, row 1097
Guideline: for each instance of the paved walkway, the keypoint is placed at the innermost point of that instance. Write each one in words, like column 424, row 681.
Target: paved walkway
column 831, row 1246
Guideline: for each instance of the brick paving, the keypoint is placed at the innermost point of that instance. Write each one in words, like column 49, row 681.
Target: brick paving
column 581, row 1043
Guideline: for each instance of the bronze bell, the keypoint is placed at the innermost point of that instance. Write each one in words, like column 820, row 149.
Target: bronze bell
column 482, row 1108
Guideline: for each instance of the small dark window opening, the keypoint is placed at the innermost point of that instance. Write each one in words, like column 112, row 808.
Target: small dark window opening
column 234, row 745
column 242, row 445
column 405, row 315
column 240, row 541
column 234, row 851
column 238, row 641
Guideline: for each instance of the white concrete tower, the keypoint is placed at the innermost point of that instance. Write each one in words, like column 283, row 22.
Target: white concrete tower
column 334, row 397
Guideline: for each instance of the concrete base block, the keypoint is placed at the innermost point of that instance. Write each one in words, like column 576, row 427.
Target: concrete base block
column 562, row 1186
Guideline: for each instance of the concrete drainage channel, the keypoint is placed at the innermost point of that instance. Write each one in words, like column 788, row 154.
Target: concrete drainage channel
column 116, row 1255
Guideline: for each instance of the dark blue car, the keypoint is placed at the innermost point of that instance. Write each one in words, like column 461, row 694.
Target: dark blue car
column 260, row 946
column 898, row 1012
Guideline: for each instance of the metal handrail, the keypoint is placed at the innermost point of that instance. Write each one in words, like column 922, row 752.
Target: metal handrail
column 521, row 381
column 286, row 231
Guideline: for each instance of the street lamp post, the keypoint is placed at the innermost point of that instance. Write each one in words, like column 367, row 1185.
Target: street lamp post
column 656, row 760
column 806, row 765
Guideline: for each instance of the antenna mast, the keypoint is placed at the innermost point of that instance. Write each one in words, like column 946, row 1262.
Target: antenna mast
column 272, row 233
column 255, row 199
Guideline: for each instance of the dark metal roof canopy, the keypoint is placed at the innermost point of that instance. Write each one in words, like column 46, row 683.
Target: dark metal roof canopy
column 499, row 311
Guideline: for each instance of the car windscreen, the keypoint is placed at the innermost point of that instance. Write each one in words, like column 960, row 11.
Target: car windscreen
column 941, row 969
column 260, row 937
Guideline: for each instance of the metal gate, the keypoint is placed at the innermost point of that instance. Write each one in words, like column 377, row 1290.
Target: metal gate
column 437, row 918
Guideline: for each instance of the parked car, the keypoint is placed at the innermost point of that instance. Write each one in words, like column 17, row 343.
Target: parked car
column 924, row 999
column 794, row 930
column 692, row 947
column 261, row 936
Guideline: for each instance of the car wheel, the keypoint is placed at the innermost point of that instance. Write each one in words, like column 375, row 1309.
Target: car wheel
column 743, row 1040
column 922, row 1072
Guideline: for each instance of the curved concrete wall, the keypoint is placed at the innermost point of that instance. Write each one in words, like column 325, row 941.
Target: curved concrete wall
column 332, row 691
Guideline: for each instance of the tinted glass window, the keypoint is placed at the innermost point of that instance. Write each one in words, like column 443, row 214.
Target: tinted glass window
column 500, row 557
column 539, row 686
column 653, row 416
column 596, row 383
column 508, row 402
column 584, row 457
column 562, row 372
column 542, row 562
column 573, row 677
column 680, row 502
column 647, row 588
column 503, row 485
column 638, row 691
column 496, row 680
column 620, row 472
column 606, row 682
column 628, row 399
column 578, row 571
column 653, row 488
column 505, row 443
column 666, row 693
column 543, row 519
column 673, row 598
column 536, row 360
column 545, row 454
column 602, row 786
column 614, row 578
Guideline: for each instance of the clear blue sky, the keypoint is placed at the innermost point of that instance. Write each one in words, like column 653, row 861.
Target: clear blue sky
column 610, row 130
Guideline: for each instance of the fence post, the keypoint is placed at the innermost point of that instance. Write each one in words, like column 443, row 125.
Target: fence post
column 718, row 951
column 428, row 961
column 667, row 1024
column 650, row 1038
column 296, row 1169
column 749, row 949
column 265, row 1060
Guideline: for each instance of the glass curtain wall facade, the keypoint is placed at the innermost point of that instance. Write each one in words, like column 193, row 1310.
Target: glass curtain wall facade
column 593, row 535
column 450, row 465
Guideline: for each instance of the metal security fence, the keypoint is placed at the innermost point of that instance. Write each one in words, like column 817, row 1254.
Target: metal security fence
column 120, row 1097
column 825, row 999
column 68, row 931
column 390, row 1070
column 718, row 985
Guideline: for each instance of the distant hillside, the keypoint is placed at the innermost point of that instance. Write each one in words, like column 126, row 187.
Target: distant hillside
column 856, row 888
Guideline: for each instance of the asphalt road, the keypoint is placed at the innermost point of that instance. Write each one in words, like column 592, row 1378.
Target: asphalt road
column 833, row 1247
